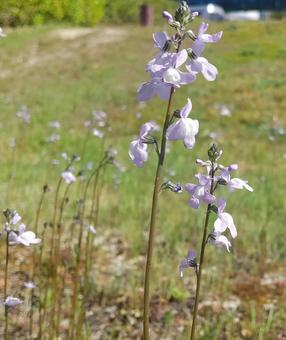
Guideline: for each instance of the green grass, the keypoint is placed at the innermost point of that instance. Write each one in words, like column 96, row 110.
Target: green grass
column 66, row 79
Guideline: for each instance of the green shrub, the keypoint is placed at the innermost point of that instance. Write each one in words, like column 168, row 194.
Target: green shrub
column 78, row 12
column 29, row 12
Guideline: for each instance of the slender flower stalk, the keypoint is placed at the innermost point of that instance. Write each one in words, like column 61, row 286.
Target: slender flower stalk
column 55, row 316
column 157, row 185
column 106, row 159
column 6, row 286
column 87, row 256
column 202, row 255
column 203, row 192
column 60, row 275
column 44, row 191
column 68, row 177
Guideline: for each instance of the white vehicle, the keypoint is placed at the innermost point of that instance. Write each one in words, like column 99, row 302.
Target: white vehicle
column 210, row 11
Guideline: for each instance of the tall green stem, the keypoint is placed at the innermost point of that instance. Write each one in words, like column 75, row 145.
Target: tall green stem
column 34, row 259
column 157, row 185
column 78, row 253
column 6, row 287
column 202, row 254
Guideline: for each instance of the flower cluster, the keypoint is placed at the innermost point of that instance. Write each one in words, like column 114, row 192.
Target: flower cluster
column 171, row 68
column 165, row 68
column 203, row 193
column 17, row 233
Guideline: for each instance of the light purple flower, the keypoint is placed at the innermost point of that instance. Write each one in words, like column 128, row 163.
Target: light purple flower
column 188, row 262
column 24, row 115
column 138, row 147
column 97, row 133
column 29, row 285
column 200, row 192
column 99, row 116
column 55, row 124
column 201, row 65
column 219, row 240
column 184, row 128
column 203, row 38
column 12, row 301
column 138, row 152
column 15, row 218
column 90, row 228
column 226, row 171
column 224, row 220
column 160, row 40
column 68, row 176
column 55, row 137
column 237, row 183
column 165, row 73
column 23, row 237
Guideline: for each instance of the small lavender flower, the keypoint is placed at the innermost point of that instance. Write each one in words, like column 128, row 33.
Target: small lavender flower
column 237, row 183
column 91, row 228
column 55, row 124
column 23, row 237
column 99, row 116
column 184, row 128
column 200, row 192
column 12, row 301
column 138, row 147
column 224, row 220
column 97, row 133
column 219, row 240
column 24, row 115
column 29, row 285
column 188, row 262
column 65, row 156
column 68, row 176
column 54, row 137
column 203, row 38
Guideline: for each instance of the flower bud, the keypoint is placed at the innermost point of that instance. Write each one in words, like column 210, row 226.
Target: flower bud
column 167, row 15
column 183, row 14
column 214, row 153
column 191, row 35
column 174, row 187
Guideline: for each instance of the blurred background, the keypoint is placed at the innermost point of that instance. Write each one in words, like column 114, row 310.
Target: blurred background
column 63, row 59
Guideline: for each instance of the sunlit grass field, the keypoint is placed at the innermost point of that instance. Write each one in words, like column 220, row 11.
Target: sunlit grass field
column 61, row 73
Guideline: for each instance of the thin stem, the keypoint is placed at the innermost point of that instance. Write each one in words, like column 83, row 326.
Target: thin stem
column 56, row 260
column 157, row 185
column 47, row 284
column 41, row 301
column 6, row 287
column 87, row 258
column 34, row 260
column 202, row 253
column 78, row 253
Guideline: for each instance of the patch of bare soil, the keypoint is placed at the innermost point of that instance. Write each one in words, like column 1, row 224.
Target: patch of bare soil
column 61, row 45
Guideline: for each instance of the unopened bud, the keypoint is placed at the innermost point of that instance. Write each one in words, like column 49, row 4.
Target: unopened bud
column 214, row 153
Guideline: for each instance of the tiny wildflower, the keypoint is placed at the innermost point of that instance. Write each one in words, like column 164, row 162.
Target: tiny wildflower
column 68, row 176
column 12, row 301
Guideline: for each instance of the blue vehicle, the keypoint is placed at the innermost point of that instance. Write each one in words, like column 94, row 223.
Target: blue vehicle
column 243, row 5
